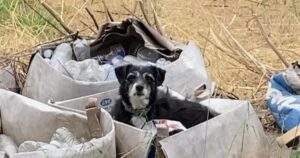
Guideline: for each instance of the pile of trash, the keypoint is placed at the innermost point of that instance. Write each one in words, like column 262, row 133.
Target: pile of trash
column 33, row 129
column 51, row 119
column 80, row 66
column 85, row 67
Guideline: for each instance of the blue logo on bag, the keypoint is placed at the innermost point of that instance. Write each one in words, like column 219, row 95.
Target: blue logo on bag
column 105, row 102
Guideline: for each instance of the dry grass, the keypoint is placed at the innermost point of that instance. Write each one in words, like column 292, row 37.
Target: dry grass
column 238, row 57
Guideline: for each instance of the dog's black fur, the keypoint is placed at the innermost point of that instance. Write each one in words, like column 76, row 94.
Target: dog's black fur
column 160, row 107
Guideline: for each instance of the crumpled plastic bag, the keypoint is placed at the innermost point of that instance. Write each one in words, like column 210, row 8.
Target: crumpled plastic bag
column 7, row 145
column 61, row 55
column 283, row 98
column 87, row 70
column 62, row 138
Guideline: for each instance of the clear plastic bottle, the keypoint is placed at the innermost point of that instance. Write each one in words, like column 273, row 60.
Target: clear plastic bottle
column 162, row 62
column 47, row 54
column 112, row 64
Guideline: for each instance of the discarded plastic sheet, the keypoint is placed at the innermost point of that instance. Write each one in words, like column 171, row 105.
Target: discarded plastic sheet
column 187, row 73
column 283, row 100
column 237, row 132
column 7, row 145
column 31, row 120
column 62, row 138
column 87, row 70
column 2, row 154
column 61, row 55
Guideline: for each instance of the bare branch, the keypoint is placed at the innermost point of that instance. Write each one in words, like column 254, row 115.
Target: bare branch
column 54, row 14
column 93, row 18
column 269, row 42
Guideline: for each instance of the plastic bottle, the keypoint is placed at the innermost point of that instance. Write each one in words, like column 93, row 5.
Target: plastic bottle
column 162, row 62
column 81, row 49
column 61, row 55
column 47, row 54
column 147, row 54
column 114, row 62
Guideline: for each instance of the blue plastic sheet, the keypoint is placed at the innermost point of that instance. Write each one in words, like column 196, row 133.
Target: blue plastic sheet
column 283, row 102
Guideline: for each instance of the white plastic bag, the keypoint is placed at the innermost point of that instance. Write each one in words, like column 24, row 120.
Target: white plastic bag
column 188, row 73
column 61, row 55
column 87, row 70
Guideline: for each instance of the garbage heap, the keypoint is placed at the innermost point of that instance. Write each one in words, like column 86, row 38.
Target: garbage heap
column 55, row 117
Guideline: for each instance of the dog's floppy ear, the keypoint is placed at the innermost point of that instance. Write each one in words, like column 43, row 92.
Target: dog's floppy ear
column 121, row 72
column 160, row 76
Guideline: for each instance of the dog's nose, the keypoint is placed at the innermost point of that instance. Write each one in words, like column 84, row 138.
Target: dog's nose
column 139, row 88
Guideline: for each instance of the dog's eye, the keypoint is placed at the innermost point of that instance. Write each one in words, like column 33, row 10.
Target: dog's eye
column 131, row 77
column 149, row 78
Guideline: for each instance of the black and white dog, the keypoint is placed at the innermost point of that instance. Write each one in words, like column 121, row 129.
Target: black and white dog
column 140, row 97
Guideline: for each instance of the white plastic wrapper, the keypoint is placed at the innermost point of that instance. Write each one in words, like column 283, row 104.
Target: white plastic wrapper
column 87, row 70
column 29, row 146
column 7, row 145
column 61, row 55
column 62, row 138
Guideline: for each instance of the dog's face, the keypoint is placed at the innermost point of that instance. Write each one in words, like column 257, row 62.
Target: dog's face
column 138, row 84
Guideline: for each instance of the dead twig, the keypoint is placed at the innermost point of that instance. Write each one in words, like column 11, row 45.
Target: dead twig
column 108, row 14
column 116, row 13
column 158, row 24
column 236, row 58
column 261, row 83
column 58, row 39
column 54, row 14
column 144, row 13
column 88, row 27
column 259, row 65
column 269, row 42
column 129, row 11
column 135, row 6
column 93, row 18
